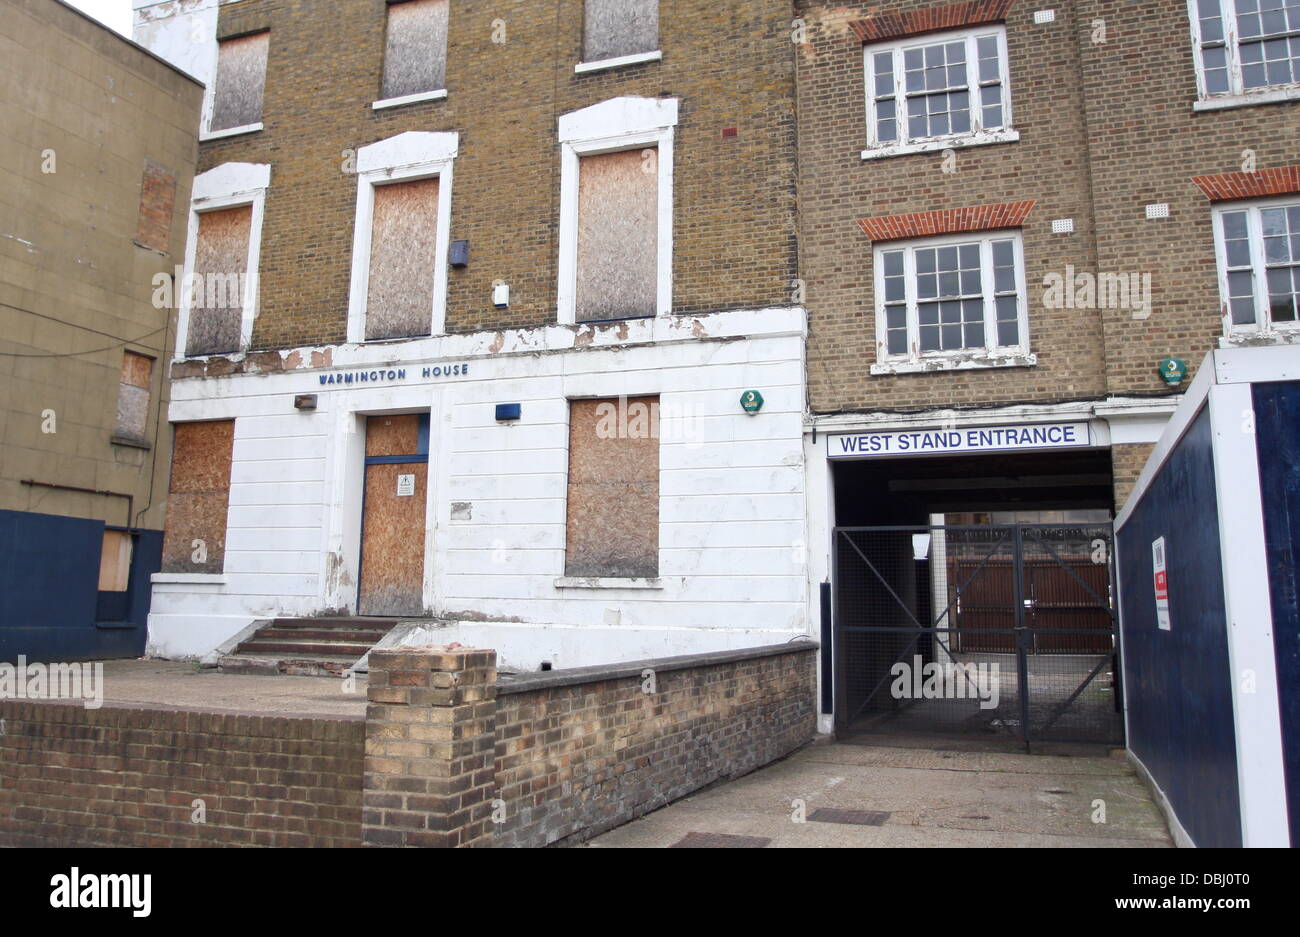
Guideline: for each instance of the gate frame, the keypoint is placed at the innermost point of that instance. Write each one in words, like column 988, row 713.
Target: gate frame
column 1023, row 635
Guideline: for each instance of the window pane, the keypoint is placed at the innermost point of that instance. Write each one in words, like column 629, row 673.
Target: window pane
column 1234, row 224
column 928, row 313
column 1008, row 332
column 1272, row 221
column 896, row 341
column 1243, row 311
column 893, row 261
column 896, row 317
column 894, row 289
column 930, row 338
column 1238, row 253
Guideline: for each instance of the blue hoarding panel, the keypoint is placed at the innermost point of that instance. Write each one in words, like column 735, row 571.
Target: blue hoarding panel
column 49, row 598
column 1277, row 432
column 1177, row 683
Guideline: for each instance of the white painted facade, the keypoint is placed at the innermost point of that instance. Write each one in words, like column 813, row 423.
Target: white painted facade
column 732, row 529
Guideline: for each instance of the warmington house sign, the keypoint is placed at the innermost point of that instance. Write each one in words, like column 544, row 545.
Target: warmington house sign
column 966, row 439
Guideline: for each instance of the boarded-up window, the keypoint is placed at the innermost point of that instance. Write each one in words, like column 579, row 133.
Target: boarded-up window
column 115, row 561
column 613, row 497
column 133, row 400
column 194, row 538
column 217, row 295
column 618, row 235
column 157, row 201
column 403, row 232
column 614, row 28
column 415, row 59
column 241, row 78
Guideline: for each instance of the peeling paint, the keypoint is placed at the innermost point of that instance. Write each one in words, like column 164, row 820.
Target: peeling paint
column 462, row 510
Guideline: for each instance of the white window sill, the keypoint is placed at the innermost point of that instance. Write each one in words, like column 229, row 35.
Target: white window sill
column 1278, row 335
column 215, row 579
column 1221, row 102
column 601, row 582
column 954, row 363
column 229, row 132
column 983, row 138
column 599, row 66
column 410, row 99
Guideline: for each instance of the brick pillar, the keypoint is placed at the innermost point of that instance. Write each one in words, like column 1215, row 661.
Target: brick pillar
column 430, row 747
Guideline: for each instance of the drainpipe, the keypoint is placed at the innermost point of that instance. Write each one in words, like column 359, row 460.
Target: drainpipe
column 130, row 499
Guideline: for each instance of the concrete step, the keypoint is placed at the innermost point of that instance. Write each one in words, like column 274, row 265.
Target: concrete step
column 339, row 649
column 313, row 634
column 307, row 646
column 304, row 665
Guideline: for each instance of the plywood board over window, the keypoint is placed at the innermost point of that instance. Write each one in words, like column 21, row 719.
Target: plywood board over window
column 220, row 266
column 399, row 298
column 133, row 399
column 618, row 235
column 614, row 28
column 613, row 491
column 115, row 561
column 241, row 80
column 194, row 538
column 415, row 55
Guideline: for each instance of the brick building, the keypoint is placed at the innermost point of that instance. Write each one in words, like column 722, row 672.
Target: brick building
column 96, row 160
column 509, row 400
column 1010, row 215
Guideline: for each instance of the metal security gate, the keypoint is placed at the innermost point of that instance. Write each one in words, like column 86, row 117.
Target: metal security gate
column 993, row 630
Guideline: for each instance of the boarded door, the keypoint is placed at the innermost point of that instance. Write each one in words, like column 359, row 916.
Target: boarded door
column 392, row 522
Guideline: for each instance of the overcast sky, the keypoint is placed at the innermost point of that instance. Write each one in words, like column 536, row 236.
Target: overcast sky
column 112, row 13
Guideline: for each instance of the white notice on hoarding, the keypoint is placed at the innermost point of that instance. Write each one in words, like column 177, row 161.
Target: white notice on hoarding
column 405, row 486
column 1161, row 583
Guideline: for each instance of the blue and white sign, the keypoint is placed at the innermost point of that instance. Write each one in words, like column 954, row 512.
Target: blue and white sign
column 964, row 439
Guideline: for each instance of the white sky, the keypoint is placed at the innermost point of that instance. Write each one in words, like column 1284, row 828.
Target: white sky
column 116, row 14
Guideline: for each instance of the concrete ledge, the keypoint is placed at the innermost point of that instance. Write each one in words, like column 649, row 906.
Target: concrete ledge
column 1181, row 837
column 521, row 683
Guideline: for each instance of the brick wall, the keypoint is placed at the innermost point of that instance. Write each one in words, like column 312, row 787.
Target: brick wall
column 446, row 755
column 1103, row 101
column 129, row 775
column 730, row 66
column 1048, row 165
column 1127, row 462
column 1147, row 143
column 455, row 758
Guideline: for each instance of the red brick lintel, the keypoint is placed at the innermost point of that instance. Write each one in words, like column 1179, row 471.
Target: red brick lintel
column 947, row 221
column 932, row 19
column 1226, row 186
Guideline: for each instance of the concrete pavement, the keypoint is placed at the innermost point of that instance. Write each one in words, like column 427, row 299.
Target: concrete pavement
column 933, row 797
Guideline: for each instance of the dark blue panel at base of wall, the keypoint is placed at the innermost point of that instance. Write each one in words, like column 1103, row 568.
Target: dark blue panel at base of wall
column 49, row 579
column 1177, row 683
column 1277, row 433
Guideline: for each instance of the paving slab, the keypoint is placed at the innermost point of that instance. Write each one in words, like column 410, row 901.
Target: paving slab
column 933, row 798
column 184, row 685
